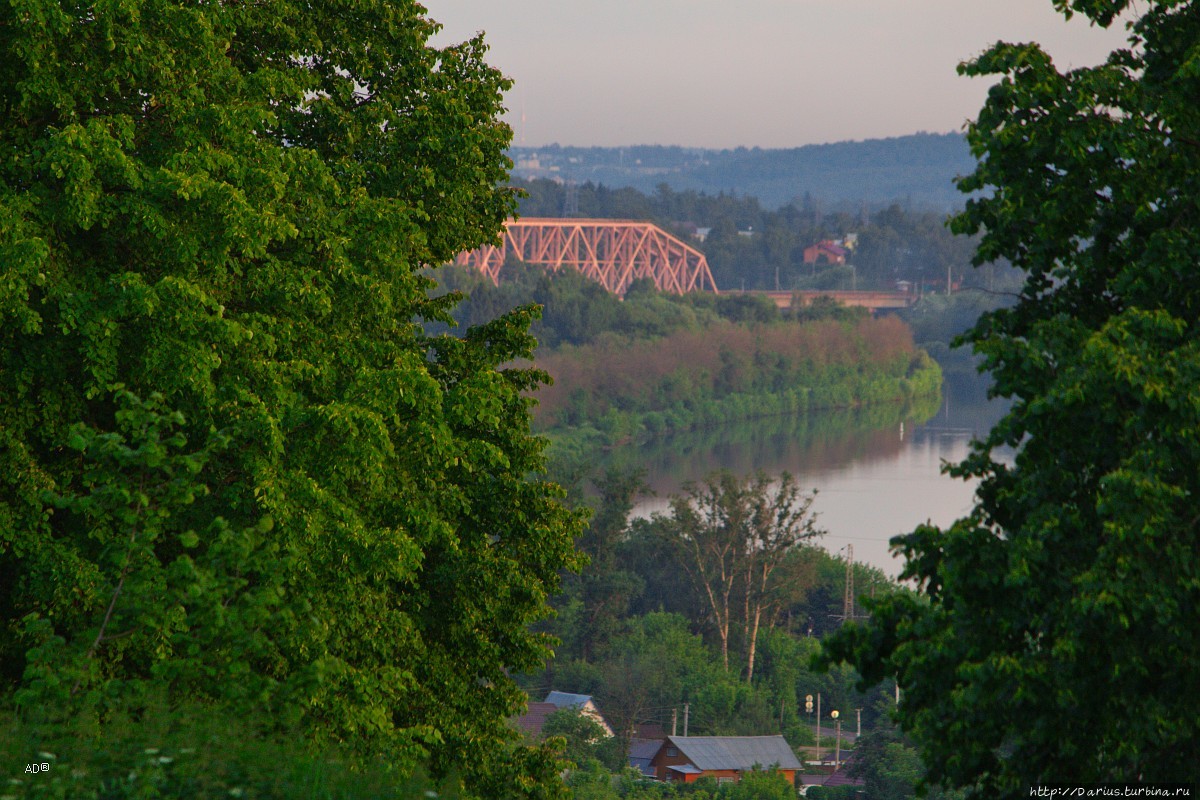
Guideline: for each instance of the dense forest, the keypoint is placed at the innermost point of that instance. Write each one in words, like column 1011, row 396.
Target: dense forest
column 651, row 362
column 749, row 246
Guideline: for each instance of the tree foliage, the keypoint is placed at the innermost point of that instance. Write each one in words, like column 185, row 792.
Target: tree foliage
column 232, row 462
column 578, row 310
column 580, row 734
column 1056, row 638
column 751, row 247
column 734, row 538
column 599, row 597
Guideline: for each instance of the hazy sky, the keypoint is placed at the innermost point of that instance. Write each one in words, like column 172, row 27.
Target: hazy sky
column 768, row 73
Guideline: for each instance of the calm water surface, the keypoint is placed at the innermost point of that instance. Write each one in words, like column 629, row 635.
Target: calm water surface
column 877, row 472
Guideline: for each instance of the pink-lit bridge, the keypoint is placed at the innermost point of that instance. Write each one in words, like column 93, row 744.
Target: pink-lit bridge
column 614, row 253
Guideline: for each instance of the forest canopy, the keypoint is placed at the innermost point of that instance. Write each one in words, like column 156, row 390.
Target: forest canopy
column 235, row 471
column 1056, row 637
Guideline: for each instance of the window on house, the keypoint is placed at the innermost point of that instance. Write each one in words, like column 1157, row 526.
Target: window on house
column 671, row 751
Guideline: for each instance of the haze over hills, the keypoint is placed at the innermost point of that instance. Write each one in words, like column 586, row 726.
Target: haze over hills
column 916, row 171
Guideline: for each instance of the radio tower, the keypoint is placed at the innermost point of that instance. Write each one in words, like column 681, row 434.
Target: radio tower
column 570, row 199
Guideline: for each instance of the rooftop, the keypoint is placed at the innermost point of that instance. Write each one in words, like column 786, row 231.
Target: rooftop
column 737, row 752
column 568, row 700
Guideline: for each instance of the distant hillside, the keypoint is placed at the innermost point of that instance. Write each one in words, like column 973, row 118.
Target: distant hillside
column 916, row 171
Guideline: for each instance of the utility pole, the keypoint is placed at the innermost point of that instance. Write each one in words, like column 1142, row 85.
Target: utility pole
column 848, row 599
column 837, row 753
column 674, row 719
column 685, row 718
column 858, row 723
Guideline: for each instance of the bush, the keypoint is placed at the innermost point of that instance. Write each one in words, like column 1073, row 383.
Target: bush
column 193, row 752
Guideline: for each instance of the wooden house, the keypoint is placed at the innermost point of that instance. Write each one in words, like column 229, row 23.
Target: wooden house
column 726, row 758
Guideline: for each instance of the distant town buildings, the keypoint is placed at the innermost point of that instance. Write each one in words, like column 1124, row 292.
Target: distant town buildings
column 831, row 251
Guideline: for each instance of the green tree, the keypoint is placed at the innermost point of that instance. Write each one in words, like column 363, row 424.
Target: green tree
column 734, row 538
column 889, row 763
column 604, row 590
column 234, row 467
column 651, row 671
column 580, row 734
column 1056, row 636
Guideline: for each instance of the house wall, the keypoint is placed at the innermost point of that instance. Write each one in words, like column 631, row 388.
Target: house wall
column 715, row 773
column 662, row 759
column 589, row 710
column 790, row 774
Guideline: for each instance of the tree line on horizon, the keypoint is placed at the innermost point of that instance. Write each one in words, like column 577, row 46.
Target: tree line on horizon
column 916, row 171
column 748, row 246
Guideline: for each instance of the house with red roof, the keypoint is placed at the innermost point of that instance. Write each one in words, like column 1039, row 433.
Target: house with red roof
column 828, row 250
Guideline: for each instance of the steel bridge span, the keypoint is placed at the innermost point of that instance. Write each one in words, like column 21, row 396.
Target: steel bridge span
column 613, row 253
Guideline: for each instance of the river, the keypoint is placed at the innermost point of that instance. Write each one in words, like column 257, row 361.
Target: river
column 877, row 472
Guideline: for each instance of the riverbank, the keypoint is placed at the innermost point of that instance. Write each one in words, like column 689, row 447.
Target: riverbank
column 616, row 391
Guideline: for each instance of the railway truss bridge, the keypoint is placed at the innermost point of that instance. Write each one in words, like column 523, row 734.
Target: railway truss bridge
column 614, row 253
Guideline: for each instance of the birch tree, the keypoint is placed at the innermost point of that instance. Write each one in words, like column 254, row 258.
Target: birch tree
column 781, row 521
column 734, row 537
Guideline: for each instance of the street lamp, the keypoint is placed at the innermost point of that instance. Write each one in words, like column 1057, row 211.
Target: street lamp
column 837, row 752
column 808, row 707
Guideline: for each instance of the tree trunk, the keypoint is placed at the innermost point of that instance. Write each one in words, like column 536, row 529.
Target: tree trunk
column 753, row 643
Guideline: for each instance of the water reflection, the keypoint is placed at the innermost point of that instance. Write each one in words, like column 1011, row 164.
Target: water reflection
column 878, row 471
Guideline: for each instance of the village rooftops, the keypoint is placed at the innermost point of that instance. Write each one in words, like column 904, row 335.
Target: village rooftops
column 568, row 700
column 725, row 758
column 531, row 722
column 742, row 753
column 642, row 753
column 686, row 769
column 582, row 703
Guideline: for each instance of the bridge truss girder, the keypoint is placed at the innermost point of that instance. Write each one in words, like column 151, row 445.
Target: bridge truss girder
column 613, row 253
